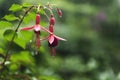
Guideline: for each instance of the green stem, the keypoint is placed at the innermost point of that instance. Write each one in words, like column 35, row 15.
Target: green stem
column 10, row 44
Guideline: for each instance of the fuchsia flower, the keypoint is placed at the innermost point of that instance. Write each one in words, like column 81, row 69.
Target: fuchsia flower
column 37, row 29
column 53, row 39
column 59, row 12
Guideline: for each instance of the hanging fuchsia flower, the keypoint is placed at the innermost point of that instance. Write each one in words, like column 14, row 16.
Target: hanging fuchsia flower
column 53, row 39
column 37, row 29
column 59, row 12
column 53, row 36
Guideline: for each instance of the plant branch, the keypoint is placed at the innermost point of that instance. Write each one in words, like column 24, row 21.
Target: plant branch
column 10, row 44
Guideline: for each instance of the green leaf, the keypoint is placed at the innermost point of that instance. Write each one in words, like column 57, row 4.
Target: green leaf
column 29, row 17
column 10, row 17
column 23, row 57
column 15, row 7
column 42, row 11
column 26, row 5
column 14, row 67
column 49, row 78
column 1, row 50
column 43, row 23
column 3, row 42
column 5, row 24
column 23, row 38
column 8, row 34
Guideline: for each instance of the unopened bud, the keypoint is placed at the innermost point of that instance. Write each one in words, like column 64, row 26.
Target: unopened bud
column 59, row 12
column 37, row 19
column 52, row 20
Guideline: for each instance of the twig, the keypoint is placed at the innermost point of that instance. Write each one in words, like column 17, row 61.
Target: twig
column 10, row 44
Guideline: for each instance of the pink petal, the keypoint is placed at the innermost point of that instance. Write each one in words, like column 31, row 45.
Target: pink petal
column 46, row 30
column 27, row 28
column 51, row 39
column 59, row 38
column 37, row 27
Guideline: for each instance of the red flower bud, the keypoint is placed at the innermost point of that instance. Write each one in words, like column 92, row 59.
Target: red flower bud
column 59, row 12
column 52, row 20
column 37, row 19
column 51, row 29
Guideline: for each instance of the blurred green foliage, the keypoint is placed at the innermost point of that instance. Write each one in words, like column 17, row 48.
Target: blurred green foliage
column 91, row 52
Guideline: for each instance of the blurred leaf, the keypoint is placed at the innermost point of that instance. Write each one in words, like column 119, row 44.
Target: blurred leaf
column 2, row 44
column 10, row 17
column 29, row 17
column 5, row 24
column 107, row 75
column 55, row 62
column 8, row 34
column 26, row 5
column 42, row 11
column 43, row 23
column 73, row 64
column 15, row 7
column 87, row 9
column 23, row 38
column 23, row 57
column 49, row 78
column 92, row 64
column 1, row 50
column 1, row 58
column 14, row 67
